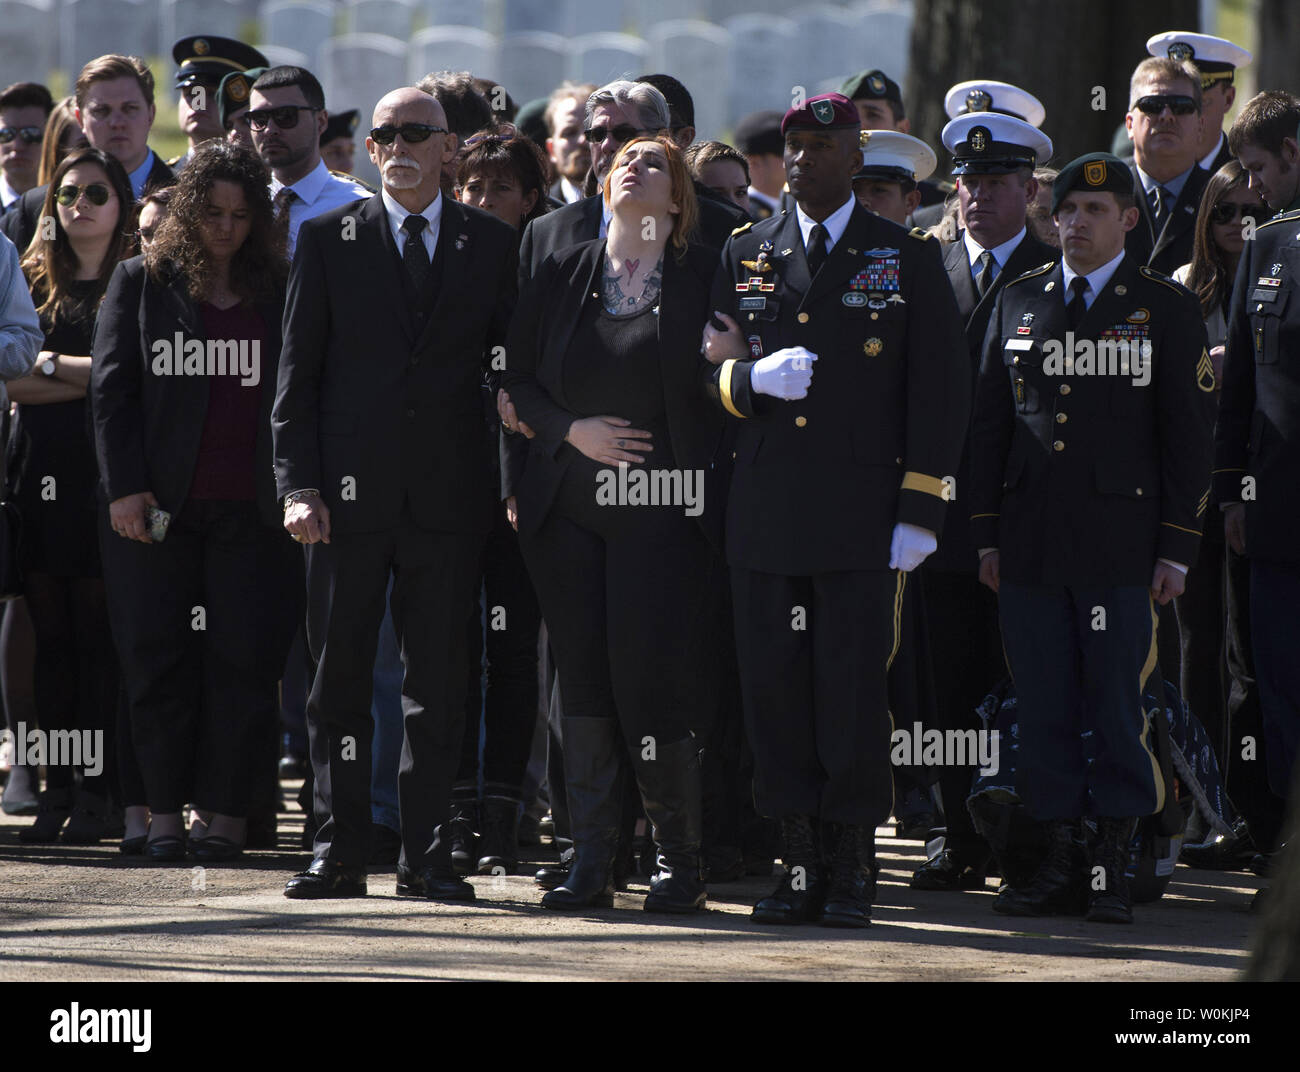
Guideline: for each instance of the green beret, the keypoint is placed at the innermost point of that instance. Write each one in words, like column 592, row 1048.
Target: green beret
column 1092, row 173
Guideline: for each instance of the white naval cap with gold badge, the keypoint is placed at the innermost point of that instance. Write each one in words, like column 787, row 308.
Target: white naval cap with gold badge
column 983, row 95
column 1215, row 57
column 895, row 157
column 987, row 143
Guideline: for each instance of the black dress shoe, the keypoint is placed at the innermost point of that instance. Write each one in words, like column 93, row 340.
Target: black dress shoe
column 165, row 849
column 326, row 878
column 385, row 845
column 553, row 875
column 948, row 871
column 1059, row 887
column 1262, row 864
column 433, row 884
column 1225, row 852
column 132, row 846
column 215, row 849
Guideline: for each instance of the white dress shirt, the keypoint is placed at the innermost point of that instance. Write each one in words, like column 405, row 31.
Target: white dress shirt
column 1207, row 161
column 1000, row 253
column 1097, row 279
column 317, row 192
column 397, row 216
column 570, row 193
column 834, row 223
column 8, row 195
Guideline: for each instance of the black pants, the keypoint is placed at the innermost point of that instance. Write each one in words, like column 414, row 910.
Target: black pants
column 814, row 656
column 1074, row 677
column 202, row 622
column 968, row 664
column 1202, row 627
column 1275, row 622
column 509, row 617
column 433, row 581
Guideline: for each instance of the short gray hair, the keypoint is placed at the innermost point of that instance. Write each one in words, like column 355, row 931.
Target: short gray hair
column 640, row 97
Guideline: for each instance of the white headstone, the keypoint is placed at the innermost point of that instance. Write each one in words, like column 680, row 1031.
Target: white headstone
column 287, row 57
column 532, row 64
column 602, row 57
column 393, row 18
column 98, row 27
column 697, row 55
column 431, row 13
column 303, row 25
column 452, row 48
column 551, row 16
column 824, row 44
column 183, row 18
column 29, row 43
column 762, row 66
column 884, row 33
column 356, row 70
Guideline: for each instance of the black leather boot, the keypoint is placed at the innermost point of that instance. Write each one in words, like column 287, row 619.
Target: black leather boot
column 852, row 885
column 672, row 792
column 593, row 772
column 1059, row 886
column 799, row 896
column 1108, row 894
column 462, row 826
column 498, row 834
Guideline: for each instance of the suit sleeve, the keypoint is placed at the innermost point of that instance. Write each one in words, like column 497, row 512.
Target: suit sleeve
column 728, row 384
column 507, row 294
column 938, row 393
column 20, row 328
column 295, row 420
column 116, row 373
column 526, row 258
column 1237, row 399
column 993, row 425
column 1185, row 421
column 532, row 401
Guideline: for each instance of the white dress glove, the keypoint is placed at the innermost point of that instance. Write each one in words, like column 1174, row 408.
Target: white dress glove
column 911, row 545
column 785, row 374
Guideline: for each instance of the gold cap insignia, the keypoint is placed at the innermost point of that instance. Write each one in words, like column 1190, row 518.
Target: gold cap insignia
column 1094, row 173
column 864, row 136
column 877, row 83
column 201, row 47
column 978, row 140
column 978, row 101
column 237, row 90
column 1180, row 51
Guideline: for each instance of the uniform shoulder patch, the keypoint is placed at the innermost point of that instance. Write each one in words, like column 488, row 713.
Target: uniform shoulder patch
column 1155, row 276
column 1032, row 272
column 743, row 228
column 920, row 234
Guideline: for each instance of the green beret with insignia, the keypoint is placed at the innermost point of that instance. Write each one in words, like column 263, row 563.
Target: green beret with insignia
column 1092, row 173
column 872, row 85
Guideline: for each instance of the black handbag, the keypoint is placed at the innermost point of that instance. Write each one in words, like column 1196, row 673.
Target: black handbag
column 11, row 525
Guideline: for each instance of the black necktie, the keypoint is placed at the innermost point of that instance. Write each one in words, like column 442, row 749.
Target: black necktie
column 1160, row 206
column 415, row 256
column 1076, row 307
column 985, row 279
column 281, row 203
column 816, row 249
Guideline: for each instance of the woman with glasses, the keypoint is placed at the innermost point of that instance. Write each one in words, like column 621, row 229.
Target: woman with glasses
column 204, row 587
column 76, row 679
column 1228, row 208
column 604, row 367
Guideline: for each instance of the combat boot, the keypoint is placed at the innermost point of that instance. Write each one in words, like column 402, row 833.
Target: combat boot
column 1058, row 887
column 852, row 886
column 1108, row 899
column 799, row 896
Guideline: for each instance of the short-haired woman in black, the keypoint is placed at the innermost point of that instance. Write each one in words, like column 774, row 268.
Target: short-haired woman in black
column 204, row 586
column 604, row 367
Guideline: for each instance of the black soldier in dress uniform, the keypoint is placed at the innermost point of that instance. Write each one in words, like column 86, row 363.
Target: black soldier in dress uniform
column 837, row 491
column 1090, row 456
column 1217, row 60
column 202, row 61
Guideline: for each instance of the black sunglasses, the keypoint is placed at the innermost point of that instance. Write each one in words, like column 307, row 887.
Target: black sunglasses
column 1155, row 103
column 31, row 135
column 623, row 133
column 1227, row 211
column 70, row 194
column 410, row 132
column 285, row 116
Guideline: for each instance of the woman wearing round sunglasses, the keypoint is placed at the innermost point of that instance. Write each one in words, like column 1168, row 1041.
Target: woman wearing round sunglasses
column 1228, row 207
column 203, row 595
column 76, row 677
column 604, row 366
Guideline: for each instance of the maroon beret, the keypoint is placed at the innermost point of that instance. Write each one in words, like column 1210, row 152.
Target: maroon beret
column 830, row 111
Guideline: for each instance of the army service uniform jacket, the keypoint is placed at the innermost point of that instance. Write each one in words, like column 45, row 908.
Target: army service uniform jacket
column 1258, row 431
column 819, row 483
column 1088, row 478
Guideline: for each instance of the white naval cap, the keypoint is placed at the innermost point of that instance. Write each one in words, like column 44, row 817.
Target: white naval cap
column 989, row 143
column 891, row 155
column 982, row 95
column 1210, row 55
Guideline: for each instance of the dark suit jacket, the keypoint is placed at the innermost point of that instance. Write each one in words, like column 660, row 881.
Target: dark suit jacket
column 384, row 398
column 956, row 550
column 148, row 427
column 20, row 222
column 1088, row 479
column 549, row 313
column 580, row 222
column 1169, row 250
column 819, row 483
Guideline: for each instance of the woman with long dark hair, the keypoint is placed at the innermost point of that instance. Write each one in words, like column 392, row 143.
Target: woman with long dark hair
column 204, row 586
column 604, row 367
column 68, row 265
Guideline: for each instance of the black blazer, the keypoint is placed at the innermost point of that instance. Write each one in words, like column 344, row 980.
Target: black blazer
column 580, row 222
column 20, row 222
column 956, row 550
column 148, row 427
column 548, row 315
column 380, row 401
column 1169, row 250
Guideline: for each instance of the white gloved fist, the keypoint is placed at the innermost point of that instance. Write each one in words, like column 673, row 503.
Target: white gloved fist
column 911, row 545
column 786, row 374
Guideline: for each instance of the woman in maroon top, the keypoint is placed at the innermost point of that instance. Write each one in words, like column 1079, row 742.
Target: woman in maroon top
column 204, row 585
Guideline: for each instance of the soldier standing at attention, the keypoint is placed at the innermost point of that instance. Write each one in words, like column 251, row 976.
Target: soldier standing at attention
column 1090, row 456
column 837, row 492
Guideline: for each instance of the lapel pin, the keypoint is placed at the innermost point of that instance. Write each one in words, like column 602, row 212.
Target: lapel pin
column 1121, row 290
column 1050, row 285
column 461, row 240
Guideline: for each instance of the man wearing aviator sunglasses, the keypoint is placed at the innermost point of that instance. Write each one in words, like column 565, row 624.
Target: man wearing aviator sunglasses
column 24, row 108
column 1164, row 123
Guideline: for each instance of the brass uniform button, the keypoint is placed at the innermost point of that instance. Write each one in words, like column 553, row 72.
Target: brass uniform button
column 1065, row 388
column 802, row 318
column 799, row 422
column 1139, row 491
column 1061, row 418
column 875, row 316
column 1058, row 446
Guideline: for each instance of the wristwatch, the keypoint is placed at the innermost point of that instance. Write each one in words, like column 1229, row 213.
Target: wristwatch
column 50, row 365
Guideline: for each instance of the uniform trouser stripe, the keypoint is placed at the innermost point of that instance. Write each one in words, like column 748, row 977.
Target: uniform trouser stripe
column 1152, row 663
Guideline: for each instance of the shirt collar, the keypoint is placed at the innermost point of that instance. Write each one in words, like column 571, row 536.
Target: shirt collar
column 1207, row 161
column 141, row 174
column 309, row 187
column 397, row 215
column 7, row 193
column 569, row 191
column 1000, row 253
column 1174, row 185
column 1097, row 278
column 834, row 223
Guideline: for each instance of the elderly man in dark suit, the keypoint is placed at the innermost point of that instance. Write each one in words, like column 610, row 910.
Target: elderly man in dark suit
column 383, row 468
